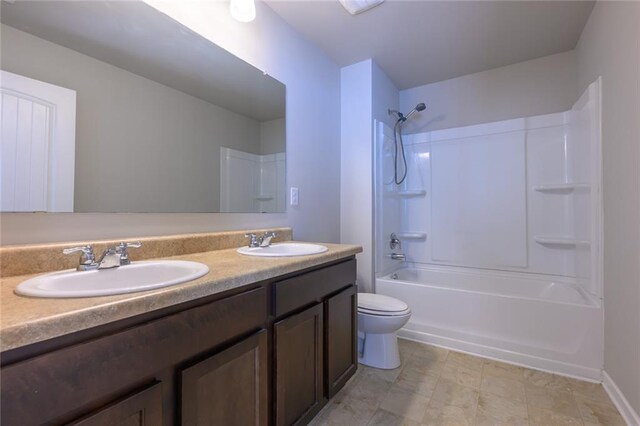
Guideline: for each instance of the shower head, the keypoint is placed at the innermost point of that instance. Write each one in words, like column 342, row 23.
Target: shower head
column 419, row 107
column 401, row 117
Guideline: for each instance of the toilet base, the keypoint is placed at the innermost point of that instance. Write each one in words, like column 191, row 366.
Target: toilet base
column 380, row 351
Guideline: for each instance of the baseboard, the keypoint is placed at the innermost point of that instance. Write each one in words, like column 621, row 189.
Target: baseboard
column 626, row 410
column 523, row 360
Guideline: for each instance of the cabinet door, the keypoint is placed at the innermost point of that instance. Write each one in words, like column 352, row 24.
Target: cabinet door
column 299, row 367
column 229, row 388
column 341, row 339
column 140, row 409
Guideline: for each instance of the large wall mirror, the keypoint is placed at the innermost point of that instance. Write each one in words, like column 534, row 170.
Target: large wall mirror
column 111, row 106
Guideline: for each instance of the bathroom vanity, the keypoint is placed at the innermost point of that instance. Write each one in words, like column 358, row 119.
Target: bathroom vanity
column 253, row 351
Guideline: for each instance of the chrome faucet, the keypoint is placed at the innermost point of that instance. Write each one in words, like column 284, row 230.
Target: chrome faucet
column 112, row 257
column 394, row 243
column 267, row 237
column 397, row 256
column 263, row 241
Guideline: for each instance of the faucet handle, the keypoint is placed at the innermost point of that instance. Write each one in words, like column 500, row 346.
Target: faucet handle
column 87, row 256
column 122, row 250
column 394, row 241
column 133, row 244
column 86, row 250
column 253, row 240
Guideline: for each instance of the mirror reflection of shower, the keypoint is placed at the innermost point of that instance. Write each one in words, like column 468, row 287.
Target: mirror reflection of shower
column 397, row 140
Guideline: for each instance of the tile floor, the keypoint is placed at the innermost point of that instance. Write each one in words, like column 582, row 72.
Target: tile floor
column 435, row 386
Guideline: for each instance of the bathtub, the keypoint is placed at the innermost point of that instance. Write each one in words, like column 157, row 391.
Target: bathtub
column 534, row 321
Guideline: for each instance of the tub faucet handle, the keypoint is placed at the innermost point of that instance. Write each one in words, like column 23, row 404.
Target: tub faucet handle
column 394, row 242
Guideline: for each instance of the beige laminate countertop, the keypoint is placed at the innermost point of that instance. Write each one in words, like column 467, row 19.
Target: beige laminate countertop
column 26, row 320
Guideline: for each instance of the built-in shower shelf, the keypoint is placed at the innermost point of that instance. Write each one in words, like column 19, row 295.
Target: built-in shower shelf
column 264, row 198
column 561, row 187
column 412, row 193
column 561, row 241
column 411, row 235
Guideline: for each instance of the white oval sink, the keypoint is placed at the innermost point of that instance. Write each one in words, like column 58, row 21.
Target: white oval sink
column 283, row 250
column 138, row 276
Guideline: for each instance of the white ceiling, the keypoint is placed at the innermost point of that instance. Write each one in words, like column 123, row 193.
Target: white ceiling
column 136, row 37
column 420, row 42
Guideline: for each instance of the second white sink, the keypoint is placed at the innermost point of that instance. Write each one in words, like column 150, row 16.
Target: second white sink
column 284, row 250
column 138, row 276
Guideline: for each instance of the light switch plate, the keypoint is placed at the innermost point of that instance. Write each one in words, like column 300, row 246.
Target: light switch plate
column 293, row 199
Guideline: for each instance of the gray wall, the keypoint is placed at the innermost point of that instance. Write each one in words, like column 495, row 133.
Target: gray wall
column 610, row 47
column 140, row 146
column 366, row 95
column 272, row 136
column 356, row 174
column 313, row 139
column 539, row 86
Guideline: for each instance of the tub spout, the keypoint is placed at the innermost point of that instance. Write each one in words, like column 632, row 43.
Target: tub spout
column 397, row 256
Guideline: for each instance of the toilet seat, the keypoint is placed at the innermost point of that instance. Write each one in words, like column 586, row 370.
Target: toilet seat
column 384, row 314
column 381, row 305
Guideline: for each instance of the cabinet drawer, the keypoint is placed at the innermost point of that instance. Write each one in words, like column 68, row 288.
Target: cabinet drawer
column 301, row 290
column 54, row 386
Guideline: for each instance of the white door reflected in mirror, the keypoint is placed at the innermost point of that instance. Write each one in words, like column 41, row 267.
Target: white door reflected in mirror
column 37, row 150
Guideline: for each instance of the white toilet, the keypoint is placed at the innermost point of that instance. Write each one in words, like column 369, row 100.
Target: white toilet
column 379, row 318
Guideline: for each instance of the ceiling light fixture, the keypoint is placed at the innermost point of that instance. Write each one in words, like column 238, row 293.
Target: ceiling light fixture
column 243, row 10
column 358, row 6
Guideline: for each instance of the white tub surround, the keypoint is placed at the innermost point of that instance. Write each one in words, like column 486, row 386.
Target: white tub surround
column 502, row 223
column 252, row 182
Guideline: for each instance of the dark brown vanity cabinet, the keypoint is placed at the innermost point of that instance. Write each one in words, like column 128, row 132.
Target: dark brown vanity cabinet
column 314, row 340
column 271, row 353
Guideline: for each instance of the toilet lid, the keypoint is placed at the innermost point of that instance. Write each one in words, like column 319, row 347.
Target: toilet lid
column 380, row 303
